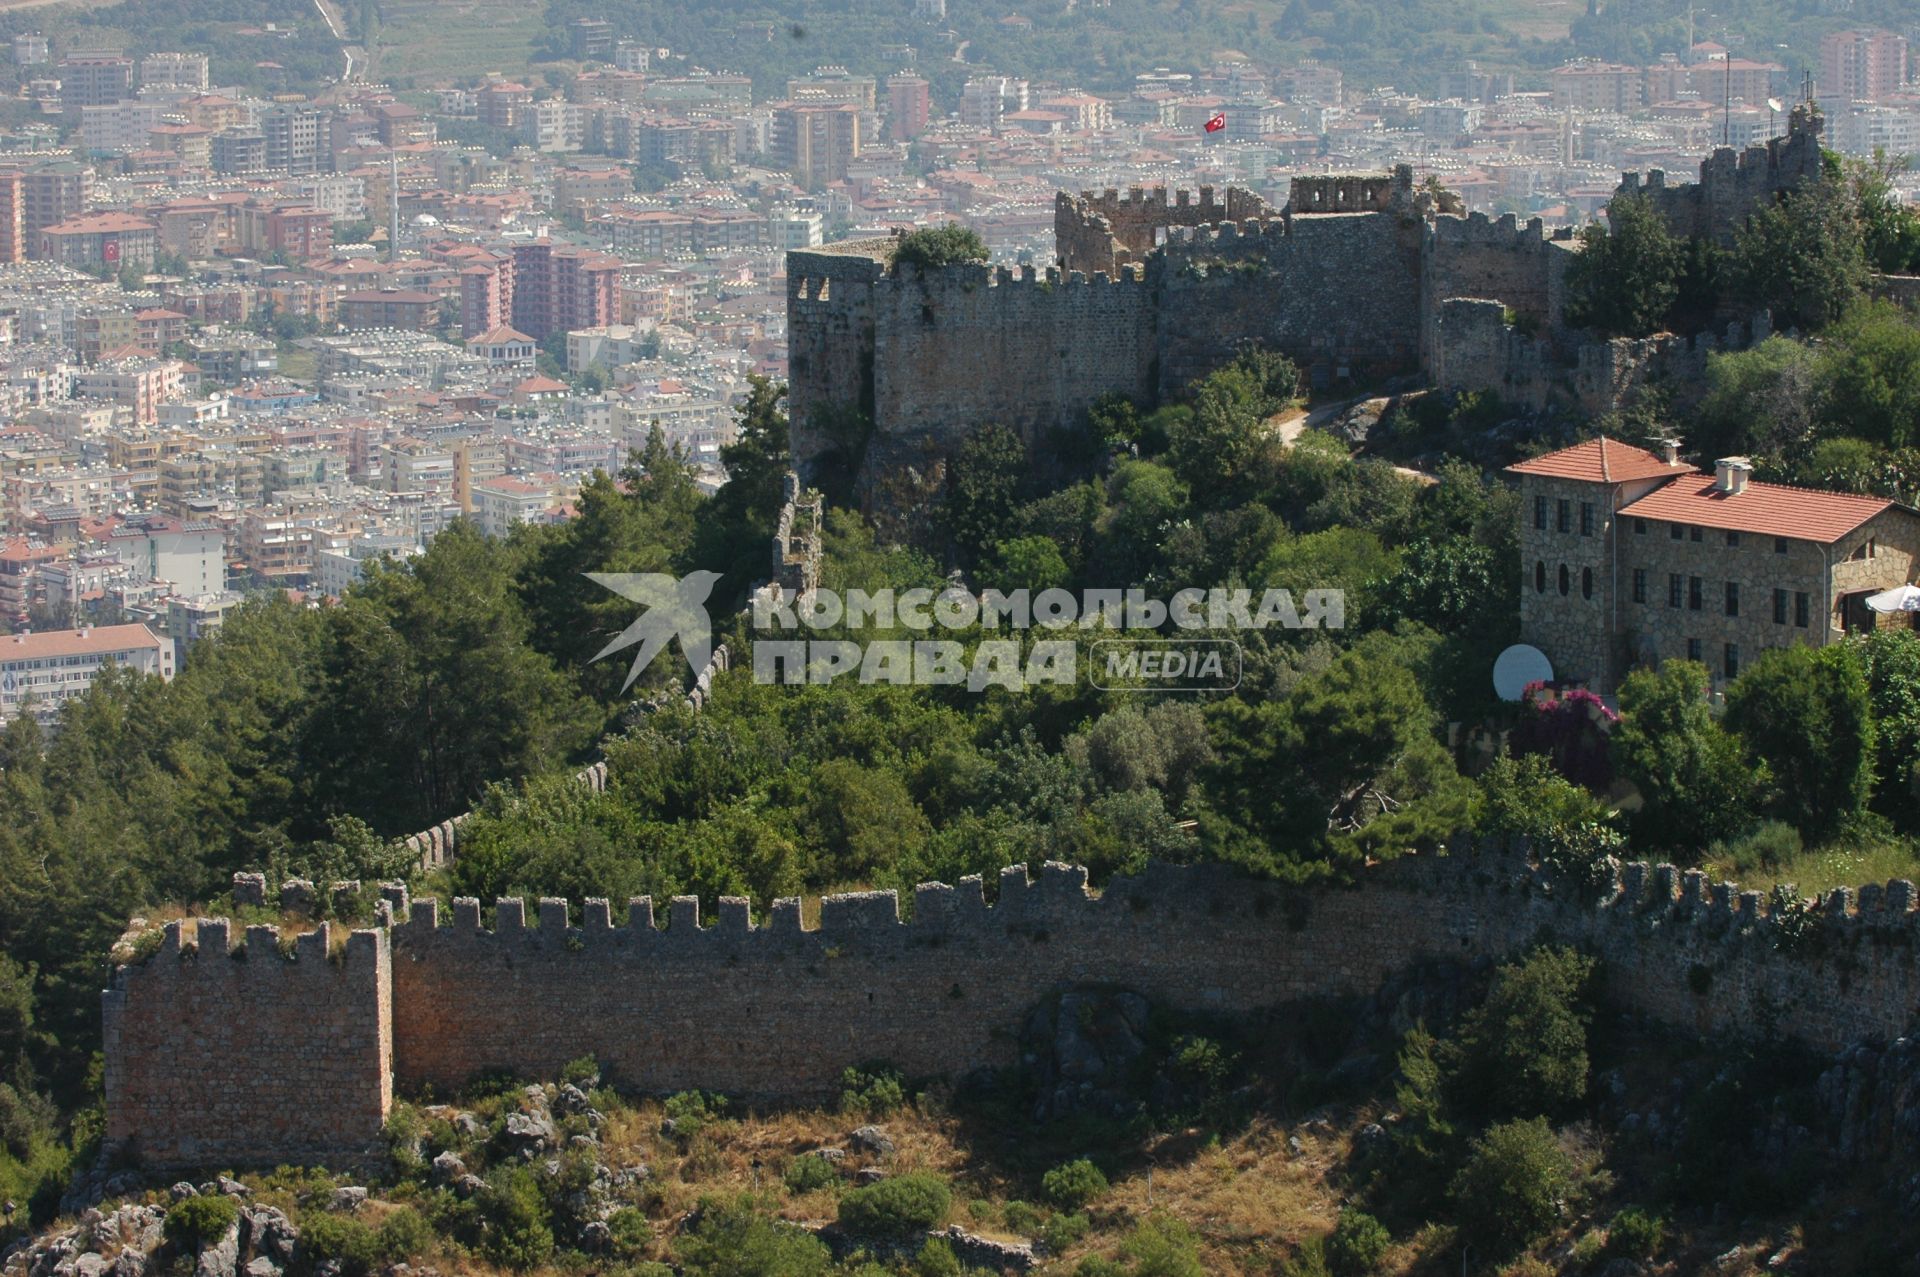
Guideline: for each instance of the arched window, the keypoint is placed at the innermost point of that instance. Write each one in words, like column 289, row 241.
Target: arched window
column 1564, row 579
column 1539, row 577
column 1586, row 583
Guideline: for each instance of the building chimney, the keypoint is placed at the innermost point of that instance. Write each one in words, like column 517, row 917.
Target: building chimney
column 1730, row 475
column 1670, row 451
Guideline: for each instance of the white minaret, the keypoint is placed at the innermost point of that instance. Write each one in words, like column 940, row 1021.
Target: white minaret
column 393, row 205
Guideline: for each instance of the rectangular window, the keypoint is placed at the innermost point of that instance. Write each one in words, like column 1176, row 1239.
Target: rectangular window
column 1673, row 589
column 1800, row 609
column 1733, row 538
column 1540, row 513
column 1693, row 649
column 1779, row 545
column 1675, row 531
column 1640, row 527
column 1733, row 598
column 1563, row 515
column 1586, row 518
column 1695, row 534
column 1695, row 588
column 1733, row 660
column 1639, row 585
column 1779, row 607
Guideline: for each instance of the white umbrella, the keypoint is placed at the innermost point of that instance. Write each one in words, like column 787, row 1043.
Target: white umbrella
column 1901, row 598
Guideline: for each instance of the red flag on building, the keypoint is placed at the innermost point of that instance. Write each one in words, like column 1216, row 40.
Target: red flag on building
column 110, row 250
column 1218, row 122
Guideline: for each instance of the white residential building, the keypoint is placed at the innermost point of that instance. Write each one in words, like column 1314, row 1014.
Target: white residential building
column 41, row 672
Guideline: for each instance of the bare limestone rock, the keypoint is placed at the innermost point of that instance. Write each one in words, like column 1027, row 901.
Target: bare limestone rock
column 220, row 1258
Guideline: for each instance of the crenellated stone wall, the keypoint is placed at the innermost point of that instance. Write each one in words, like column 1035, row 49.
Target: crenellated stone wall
column 213, row 1059
column 220, row 1055
column 1734, row 183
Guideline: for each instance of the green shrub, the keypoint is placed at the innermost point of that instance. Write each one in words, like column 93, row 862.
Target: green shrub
column 583, row 1072
column 1099, row 1266
column 810, row 1174
column 1021, row 1217
column 1636, row 1233
column 734, row 1240
column 896, row 1207
column 404, row 1235
column 1072, row 1185
column 936, row 1259
column 325, row 1236
column 1514, row 1185
column 933, row 246
column 199, row 1220
column 631, row 1230
column 404, row 1132
column 872, row 1089
column 691, row 1111
column 1063, row 1231
column 516, row 1231
column 1161, row 1246
column 1356, row 1244
column 1202, row 1063
column 1524, row 1049
column 1766, row 846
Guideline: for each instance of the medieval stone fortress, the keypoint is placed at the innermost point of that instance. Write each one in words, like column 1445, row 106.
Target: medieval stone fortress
column 1356, row 279
column 776, row 1010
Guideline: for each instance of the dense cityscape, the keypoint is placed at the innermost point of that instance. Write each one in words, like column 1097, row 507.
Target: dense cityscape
column 925, row 638
column 252, row 342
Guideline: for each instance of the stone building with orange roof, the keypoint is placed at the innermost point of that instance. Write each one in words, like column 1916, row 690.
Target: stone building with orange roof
column 1630, row 558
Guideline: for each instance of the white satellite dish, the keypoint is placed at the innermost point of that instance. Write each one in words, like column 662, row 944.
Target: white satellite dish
column 1776, row 105
column 1518, row 666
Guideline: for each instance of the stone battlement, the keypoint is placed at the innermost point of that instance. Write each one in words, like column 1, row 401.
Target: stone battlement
column 966, row 277
column 229, row 1055
column 1353, row 193
column 1479, row 229
column 1732, row 184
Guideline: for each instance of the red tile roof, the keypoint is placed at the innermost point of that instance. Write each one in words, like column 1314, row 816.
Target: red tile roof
column 499, row 336
column 106, row 639
column 1767, row 509
column 1600, row 460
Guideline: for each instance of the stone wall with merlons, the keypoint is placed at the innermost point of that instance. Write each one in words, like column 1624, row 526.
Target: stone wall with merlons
column 217, row 1060
column 225, row 1055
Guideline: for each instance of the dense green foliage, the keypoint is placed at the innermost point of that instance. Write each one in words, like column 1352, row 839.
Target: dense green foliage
column 1514, row 1185
column 1523, row 1051
column 198, row 1220
column 898, row 1206
column 1627, row 276
column 931, row 247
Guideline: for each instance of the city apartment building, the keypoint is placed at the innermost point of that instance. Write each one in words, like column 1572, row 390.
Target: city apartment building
column 559, row 289
column 41, row 672
column 115, row 240
column 1630, row 558
column 1862, row 66
column 816, row 142
column 93, row 80
column 175, row 70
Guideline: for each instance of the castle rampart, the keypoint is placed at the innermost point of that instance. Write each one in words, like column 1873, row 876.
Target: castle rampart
column 206, row 1055
column 1732, row 184
column 223, row 1055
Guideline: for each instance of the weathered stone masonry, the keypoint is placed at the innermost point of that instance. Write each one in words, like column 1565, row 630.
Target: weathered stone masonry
column 217, row 1055
column 214, row 1059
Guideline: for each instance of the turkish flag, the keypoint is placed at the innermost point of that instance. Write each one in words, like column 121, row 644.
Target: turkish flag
column 1217, row 123
column 110, row 250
